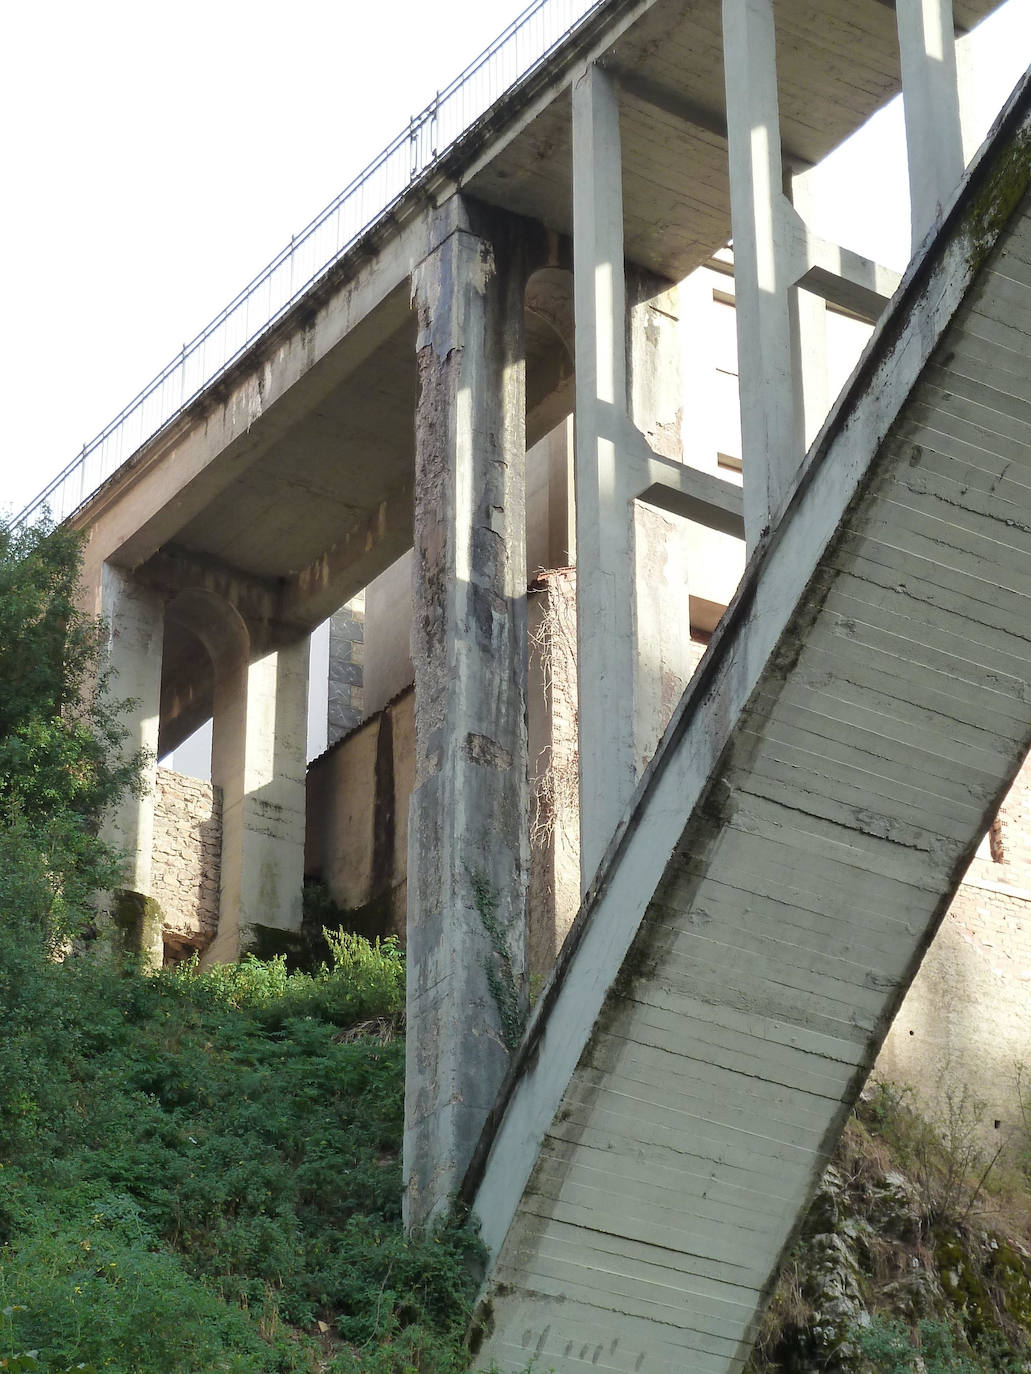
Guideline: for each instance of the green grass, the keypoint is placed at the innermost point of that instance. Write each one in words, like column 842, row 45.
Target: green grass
column 202, row 1172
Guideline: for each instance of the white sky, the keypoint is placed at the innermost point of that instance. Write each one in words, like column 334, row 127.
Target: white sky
column 156, row 157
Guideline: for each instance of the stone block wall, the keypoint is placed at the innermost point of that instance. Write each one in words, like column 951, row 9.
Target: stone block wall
column 346, row 669
column 187, row 856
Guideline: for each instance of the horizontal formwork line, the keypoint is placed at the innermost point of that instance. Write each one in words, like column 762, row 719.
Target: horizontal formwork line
column 827, row 843
column 883, row 895
column 722, row 1301
column 738, row 1033
column 629, row 1135
column 1002, row 543
column 822, row 773
column 616, row 1098
column 799, row 928
column 762, row 1209
column 931, row 568
column 864, row 562
column 587, row 1354
column 820, row 1077
column 912, row 730
column 952, row 699
column 854, row 625
column 897, row 618
column 672, row 1334
column 831, row 990
column 711, row 913
column 978, row 384
column 654, row 1254
column 948, row 418
column 753, row 1211
column 686, row 1093
column 729, row 1252
column 816, row 755
column 956, row 402
column 950, row 458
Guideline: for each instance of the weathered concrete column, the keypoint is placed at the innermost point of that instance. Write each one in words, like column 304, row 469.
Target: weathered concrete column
column 930, row 98
column 135, row 620
column 468, row 854
column 258, row 752
column 605, row 581
column 772, row 438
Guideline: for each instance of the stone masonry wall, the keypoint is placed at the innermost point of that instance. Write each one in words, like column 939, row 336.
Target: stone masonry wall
column 346, row 669
column 187, row 855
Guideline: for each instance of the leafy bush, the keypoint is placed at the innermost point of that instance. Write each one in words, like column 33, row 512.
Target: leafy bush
column 366, row 983
column 62, row 755
column 890, row 1348
column 230, row 1144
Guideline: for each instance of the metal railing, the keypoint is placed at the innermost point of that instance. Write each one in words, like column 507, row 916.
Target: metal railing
column 520, row 49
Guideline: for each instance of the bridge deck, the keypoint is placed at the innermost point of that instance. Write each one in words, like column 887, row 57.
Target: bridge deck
column 792, row 848
column 293, row 470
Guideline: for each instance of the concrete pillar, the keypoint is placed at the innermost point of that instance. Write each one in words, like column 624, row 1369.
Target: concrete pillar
column 258, row 748
column 135, row 620
column 772, row 436
column 807, row 315
column 930, row 97
column 605, row 583
column 663, row 654
column 468, row 855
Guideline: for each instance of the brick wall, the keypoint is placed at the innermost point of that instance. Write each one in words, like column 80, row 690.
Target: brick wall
column 187, row 854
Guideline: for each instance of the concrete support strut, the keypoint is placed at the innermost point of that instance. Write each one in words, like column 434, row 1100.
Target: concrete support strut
column 258, row 758
column 772, row 437
column 135, row 621
column 605, row 582
column 930, row 98
column 782, row 273
column 468, row 823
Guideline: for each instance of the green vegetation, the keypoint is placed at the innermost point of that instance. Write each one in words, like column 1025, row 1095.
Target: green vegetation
column 914, row 1256
column 201, row 1172
column 61, row 736
column 198, row 1172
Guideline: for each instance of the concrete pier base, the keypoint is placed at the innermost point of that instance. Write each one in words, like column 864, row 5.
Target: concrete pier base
column 468, row 843
column 135, row 620
column 258, row 759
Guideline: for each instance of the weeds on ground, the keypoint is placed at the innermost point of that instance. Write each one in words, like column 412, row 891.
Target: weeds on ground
column 200, row 1172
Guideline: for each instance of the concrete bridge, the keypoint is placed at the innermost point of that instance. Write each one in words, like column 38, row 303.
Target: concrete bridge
column 757, row 902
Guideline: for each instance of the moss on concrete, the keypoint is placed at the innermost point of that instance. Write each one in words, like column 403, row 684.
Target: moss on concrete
column 139, row 921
